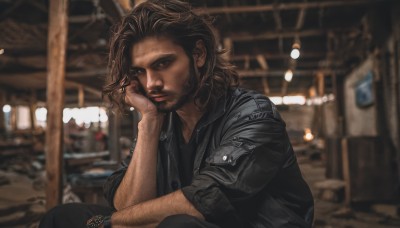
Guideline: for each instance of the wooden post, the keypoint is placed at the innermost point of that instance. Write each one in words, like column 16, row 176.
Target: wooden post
column 81, row 97
column 56, row 46
column 32, row 109
column 114, row 132
column 228, row 46
column 2, row 117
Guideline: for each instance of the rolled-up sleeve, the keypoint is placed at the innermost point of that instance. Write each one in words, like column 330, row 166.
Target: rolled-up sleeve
column 253, row 148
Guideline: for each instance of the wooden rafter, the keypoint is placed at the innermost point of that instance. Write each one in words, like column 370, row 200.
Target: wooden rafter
column 283, row 6
column 236, row 37
column 264, row 65
column 280, row 73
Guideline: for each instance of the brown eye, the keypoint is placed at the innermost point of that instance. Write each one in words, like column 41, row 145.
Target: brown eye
column 134, row 73
column 163, row 64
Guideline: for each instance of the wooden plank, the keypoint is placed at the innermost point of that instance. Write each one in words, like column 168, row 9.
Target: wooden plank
column 333, row 151
column 57, row 41
column 346, row 172
column 368, row 170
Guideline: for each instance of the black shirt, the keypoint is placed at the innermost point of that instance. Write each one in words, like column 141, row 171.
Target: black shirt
column 186, row 158
column 187, row 153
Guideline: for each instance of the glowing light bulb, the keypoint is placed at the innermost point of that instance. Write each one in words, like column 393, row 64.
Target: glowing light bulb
column 295, row 54
column 288, row 75
column 6, row 108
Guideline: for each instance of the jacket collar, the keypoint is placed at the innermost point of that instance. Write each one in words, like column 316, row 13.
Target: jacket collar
column 212, row 115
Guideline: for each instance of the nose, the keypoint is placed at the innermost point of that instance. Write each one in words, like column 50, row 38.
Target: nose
column 154, row 81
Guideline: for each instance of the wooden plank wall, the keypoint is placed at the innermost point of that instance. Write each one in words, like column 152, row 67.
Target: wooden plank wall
column 369, row 170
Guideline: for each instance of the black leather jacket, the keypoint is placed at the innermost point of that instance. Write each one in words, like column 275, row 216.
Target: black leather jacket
column 245, row 172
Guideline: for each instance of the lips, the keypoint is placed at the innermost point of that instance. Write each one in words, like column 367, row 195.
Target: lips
column 159, row 98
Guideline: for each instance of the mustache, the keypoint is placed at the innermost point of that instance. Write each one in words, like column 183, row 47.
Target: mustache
column 159, row 92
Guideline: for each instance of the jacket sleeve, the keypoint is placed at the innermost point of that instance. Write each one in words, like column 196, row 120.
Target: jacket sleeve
column 114, row 180
column 254, row 146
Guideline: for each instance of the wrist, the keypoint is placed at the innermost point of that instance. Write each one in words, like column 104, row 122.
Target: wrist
column 151, row 123
column 99, row 221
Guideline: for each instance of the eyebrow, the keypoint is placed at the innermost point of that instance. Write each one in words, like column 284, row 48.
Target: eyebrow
column 158, row 59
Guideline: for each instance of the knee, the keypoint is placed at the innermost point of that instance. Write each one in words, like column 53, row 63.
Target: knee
column 50, row 218
column 179, row 221
column 74, row 214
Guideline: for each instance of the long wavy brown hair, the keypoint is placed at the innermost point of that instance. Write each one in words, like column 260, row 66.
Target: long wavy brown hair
column 176, row 20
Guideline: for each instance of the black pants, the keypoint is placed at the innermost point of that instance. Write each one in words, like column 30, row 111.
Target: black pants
column 76, row 214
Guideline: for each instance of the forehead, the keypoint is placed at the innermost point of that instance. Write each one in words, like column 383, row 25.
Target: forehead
column 150, row 48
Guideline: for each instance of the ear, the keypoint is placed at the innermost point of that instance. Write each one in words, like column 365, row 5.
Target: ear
column 199, row 53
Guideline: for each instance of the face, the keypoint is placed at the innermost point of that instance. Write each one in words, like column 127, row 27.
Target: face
column 164, row 71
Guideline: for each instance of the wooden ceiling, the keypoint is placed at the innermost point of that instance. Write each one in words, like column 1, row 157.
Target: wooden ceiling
column 259, row 34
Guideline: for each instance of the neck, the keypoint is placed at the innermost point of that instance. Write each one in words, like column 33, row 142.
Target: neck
column 189, row 115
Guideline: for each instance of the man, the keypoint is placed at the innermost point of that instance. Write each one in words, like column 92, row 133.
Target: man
column 208, row 154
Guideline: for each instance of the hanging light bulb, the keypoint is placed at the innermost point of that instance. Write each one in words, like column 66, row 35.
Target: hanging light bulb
column 6, row 108
column 295, row 54
column 288, row 75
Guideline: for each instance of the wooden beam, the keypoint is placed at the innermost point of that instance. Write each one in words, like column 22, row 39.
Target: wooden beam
column 285, row 85
column 240, row 37
column 114, row 132
column 2, row 117
column 246, row 62
column 346, row 172
column 300, row 19
column 264, row 65
column 277, row 17
column 320, row 83
column 32, row 109
column 284, row 6
column 40, row 77
column 81, row 97
column 57, row 42
column 277, row 56
column 228, row 46
column 89, row 89
column 281, row 73
column 9, row 11
column 262, row 61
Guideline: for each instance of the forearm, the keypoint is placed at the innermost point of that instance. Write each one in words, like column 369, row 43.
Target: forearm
column 139, row 182
column 152, row 212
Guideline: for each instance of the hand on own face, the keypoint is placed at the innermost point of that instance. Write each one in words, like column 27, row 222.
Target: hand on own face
column 135, row 98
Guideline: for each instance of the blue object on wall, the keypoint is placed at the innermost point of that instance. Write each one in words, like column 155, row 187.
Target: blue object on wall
column 364, row 92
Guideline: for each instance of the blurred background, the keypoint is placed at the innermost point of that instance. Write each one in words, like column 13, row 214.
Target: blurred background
column 330, row 66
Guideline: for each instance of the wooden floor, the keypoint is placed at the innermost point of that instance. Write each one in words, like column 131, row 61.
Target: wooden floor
column 22, row 201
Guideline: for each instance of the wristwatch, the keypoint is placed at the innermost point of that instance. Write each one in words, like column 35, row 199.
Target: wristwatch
column 98, row 221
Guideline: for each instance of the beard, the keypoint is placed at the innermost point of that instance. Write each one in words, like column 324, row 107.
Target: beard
column 186, row 96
